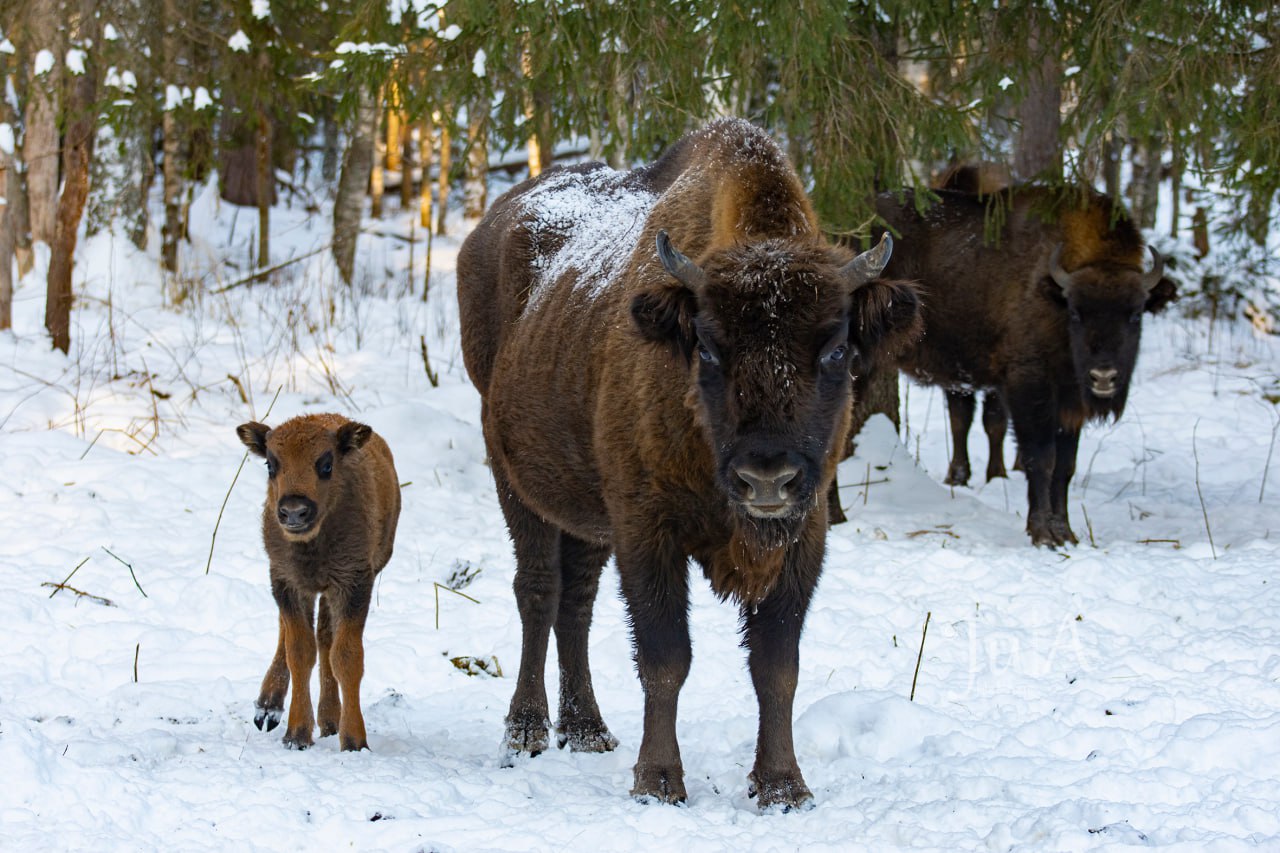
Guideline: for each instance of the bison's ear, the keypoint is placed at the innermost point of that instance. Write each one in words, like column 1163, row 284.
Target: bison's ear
column 352, row 436
column 253, row 435
column 664, row 315
column 1161, row 295
column 886, row 318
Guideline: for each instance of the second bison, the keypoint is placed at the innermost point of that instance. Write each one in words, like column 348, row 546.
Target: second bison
column 664, row 360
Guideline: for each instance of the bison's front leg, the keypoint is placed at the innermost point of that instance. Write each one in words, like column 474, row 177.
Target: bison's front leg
column 960, row 408
column 773, row 639
column 655, row 583
column 995, row 423
column 1066, row 446
column 350, row 610
column 1035, row 425
column 300, row 652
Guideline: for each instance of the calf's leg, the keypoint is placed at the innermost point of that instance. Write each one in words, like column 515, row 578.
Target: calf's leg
column 330, row 709
column 300, row 652
column 349, row 612
column 580, row 727
column 275, row 684
column 960, row 412
column 655, row 584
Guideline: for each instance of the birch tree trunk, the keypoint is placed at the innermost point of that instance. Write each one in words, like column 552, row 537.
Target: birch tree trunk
column 8, row 178
column 174, row 229
column 348, row 204
column 77, row 154
column 446, row 163
column 40, row 148
column 476, row 187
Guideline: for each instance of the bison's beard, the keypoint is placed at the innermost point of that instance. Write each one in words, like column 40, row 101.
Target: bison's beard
column 764, row 535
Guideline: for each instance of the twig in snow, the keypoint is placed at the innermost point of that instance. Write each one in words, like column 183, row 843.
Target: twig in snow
column 432, row 376
column 1176, row 543
column 1265, row 468
column 227, row 496
column 131, row 574
column 1203, row 511
column 920, row 656
column 63, row 585
column 1088, row 524
column 262, row 273
column 440, row 586
column 136, row 650
column 97, row 599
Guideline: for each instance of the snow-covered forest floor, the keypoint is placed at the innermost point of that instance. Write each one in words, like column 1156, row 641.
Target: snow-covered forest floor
column 1120, row 693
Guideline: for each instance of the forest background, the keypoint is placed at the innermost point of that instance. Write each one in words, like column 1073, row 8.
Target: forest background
column 1169, row 106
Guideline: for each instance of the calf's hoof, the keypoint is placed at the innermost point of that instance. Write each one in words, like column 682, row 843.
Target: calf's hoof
column 585, row 736
column 660, row 784
column 268, row 718
column 298, row 739
column 994, row 471
column 526, row 734
column 785, row 791
column 353, row 744
column 957, row 475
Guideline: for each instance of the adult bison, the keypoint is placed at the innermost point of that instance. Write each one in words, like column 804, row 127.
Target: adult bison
column 657, row 407
column 1037, row 295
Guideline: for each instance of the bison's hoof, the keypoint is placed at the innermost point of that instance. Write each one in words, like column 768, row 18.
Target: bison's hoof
column 957, row 475
column 299, row 739
column 784, row 793
column 661, row 784
column 267, row 718
column 527, row 734
column 994, row 471
column 328, row 727
column 585, row 737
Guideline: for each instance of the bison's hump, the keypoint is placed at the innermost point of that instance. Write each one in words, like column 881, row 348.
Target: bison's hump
column 583, row 222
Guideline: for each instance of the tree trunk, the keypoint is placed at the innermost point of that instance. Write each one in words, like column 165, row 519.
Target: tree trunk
column 8, row 178
column 40, row 146
column 446, row 163
column 377, row 181
column 77, row 154
column 265, row 174
column 476, row 187
column 1144, row 190
column 426, row 135
column 348, row 205
column 174, row 229
column 407, row 161
column 1038, row 149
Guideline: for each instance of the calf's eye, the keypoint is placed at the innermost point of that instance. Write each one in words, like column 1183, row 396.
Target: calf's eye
column 324, row 467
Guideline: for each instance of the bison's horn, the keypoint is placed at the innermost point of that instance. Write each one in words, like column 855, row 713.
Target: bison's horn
column 1151, row 279
column 1059, row 275
column 867, row 266
column 689, row 273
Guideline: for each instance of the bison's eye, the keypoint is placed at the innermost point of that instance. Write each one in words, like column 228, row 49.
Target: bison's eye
column 1136, row 317
column 707, row 355
column 324, row 466
column 273, row 466
column 836, row 357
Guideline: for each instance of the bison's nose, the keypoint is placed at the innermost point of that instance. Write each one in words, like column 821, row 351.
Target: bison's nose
column 296, row 513
column 1103, row 380
column 768, row 489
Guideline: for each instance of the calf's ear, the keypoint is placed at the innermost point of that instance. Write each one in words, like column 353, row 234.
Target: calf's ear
column 1161, row 295
column 885, row 318
column 253, row 435
column 664, row 315
column 352, row 436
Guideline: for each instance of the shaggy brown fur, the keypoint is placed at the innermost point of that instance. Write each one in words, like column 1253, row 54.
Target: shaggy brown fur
column 1056, row 352
column 661, row 408
column 328, row 524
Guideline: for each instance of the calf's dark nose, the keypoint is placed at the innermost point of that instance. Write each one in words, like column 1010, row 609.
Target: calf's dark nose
column 296, row 512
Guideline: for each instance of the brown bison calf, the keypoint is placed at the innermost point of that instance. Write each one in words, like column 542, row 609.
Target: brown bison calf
column 328, row 525
column 660, row 407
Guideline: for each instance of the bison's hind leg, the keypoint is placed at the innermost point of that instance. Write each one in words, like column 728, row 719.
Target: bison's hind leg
column 995, row 422
column 960, row 407
column 581, row 727
column 537, row 589
column 269, row 708
column 330, row 707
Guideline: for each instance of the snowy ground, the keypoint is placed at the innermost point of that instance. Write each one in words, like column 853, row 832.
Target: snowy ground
column 1121, row 693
